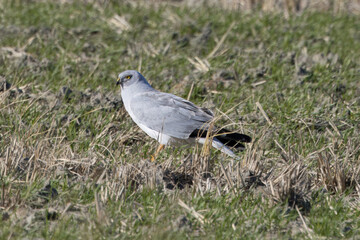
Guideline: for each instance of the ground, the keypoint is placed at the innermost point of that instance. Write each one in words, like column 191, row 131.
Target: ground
column 74, row 165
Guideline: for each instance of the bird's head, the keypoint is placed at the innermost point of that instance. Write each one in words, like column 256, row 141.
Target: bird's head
column 129, row 77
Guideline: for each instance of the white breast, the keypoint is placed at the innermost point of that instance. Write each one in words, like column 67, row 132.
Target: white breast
column 160, row 137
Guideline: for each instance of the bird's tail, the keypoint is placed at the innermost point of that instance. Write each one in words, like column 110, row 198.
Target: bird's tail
column 218, row 145
column 232, row 139
column 223, row 139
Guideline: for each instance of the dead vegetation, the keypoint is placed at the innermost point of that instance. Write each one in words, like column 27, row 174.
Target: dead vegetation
column 63, row 143
column 287, row 179
column 287, row 7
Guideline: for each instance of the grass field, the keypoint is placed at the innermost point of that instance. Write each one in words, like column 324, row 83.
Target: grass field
column 73, row 164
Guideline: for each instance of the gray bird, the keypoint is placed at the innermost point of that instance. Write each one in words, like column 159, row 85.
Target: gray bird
column 171, row 119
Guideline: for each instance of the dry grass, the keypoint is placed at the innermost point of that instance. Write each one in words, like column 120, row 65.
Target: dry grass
column 73, row 165
column 286, row 7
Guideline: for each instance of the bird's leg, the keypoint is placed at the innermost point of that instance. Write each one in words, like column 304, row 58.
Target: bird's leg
column 161, row 147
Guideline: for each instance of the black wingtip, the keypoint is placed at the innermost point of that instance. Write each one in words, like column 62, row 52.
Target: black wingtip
column 231, row 143
column 234, row 136
column 226, row 137
column 242, row 137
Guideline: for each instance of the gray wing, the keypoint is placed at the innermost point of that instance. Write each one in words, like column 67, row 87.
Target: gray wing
column 169, row 114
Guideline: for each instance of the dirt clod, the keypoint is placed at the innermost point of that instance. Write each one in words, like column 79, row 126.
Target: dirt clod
column 51, row 215
column 4, row 85
column 182, row 223
column 5, row 216
column 177, row 180
column 48, row 192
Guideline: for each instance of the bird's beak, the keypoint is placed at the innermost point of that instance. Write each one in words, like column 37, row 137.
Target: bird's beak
column 118, row 82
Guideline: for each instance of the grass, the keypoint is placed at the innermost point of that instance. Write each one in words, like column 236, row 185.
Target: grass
column 74, row 165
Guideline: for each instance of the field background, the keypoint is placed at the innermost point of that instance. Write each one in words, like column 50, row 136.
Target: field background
column 74, row 165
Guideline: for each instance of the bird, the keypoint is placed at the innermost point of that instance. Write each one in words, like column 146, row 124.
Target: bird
column 172, row 120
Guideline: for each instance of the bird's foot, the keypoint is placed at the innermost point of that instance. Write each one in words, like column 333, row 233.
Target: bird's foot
column 153, row 157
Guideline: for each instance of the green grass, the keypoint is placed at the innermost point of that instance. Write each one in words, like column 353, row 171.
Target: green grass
column 85, row 145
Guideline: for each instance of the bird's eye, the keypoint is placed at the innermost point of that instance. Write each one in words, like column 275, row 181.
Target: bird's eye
column 128, row 76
